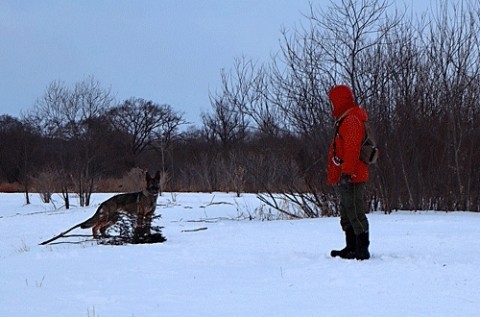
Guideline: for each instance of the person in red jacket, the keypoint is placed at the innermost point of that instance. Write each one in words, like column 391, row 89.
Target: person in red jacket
column 346, row 170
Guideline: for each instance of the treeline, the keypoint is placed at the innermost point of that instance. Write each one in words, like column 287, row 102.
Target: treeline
column 270, row 124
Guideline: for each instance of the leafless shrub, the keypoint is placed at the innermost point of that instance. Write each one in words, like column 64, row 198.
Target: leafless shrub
column 134, row 180
column 164, row 179
column 46, row 183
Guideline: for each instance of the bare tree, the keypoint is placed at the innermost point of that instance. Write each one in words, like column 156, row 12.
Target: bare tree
column 145, row 124
column 453, row 54
column 68, row 114
column 229, row 123
column 19, row 148
column 346, row 32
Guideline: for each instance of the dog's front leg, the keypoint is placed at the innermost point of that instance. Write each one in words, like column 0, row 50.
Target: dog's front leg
column 140, row 227
column 148, row 222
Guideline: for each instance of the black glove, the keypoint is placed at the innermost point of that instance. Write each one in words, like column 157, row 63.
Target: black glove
column 345, row 179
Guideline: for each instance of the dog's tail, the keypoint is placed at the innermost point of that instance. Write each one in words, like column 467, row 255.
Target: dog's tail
column 90, row 222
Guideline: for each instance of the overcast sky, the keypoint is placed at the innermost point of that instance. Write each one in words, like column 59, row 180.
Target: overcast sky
column 168, row 51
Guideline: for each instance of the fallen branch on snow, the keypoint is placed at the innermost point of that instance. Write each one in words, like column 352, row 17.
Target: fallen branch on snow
column 195, row 230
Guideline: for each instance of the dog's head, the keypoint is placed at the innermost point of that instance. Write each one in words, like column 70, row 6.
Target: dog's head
column 153, row 183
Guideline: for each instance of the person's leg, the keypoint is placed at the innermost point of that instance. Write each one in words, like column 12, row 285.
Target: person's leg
column 348, row 252
column 352, row 200
column 353, row 205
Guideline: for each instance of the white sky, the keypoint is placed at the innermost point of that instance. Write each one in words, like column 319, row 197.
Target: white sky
column 168, row 51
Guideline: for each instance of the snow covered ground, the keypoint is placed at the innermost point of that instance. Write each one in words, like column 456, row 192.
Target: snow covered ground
column 423, row 264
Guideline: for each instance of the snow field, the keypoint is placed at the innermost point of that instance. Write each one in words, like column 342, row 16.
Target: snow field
column 423, row 264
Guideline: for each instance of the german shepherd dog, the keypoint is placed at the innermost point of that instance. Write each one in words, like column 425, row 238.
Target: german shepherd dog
column 140, row 204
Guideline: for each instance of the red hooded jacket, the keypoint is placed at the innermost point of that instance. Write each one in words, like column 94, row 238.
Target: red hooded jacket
column 349, row 138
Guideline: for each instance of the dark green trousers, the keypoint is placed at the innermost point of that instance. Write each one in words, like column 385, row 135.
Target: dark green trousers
column 352, row 207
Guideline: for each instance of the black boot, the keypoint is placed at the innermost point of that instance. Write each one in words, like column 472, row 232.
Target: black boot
column 349, row 251
column 361, row 251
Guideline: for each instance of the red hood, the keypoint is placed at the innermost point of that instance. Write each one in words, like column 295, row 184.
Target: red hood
column 342, row 99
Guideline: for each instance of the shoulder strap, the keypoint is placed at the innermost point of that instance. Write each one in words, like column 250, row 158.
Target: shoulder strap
column 369, row 134
column 337, row 126
column 338, row 123
column 366, row 128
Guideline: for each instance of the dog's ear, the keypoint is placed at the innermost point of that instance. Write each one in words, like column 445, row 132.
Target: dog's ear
column 157, row 176
column 148, row 177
